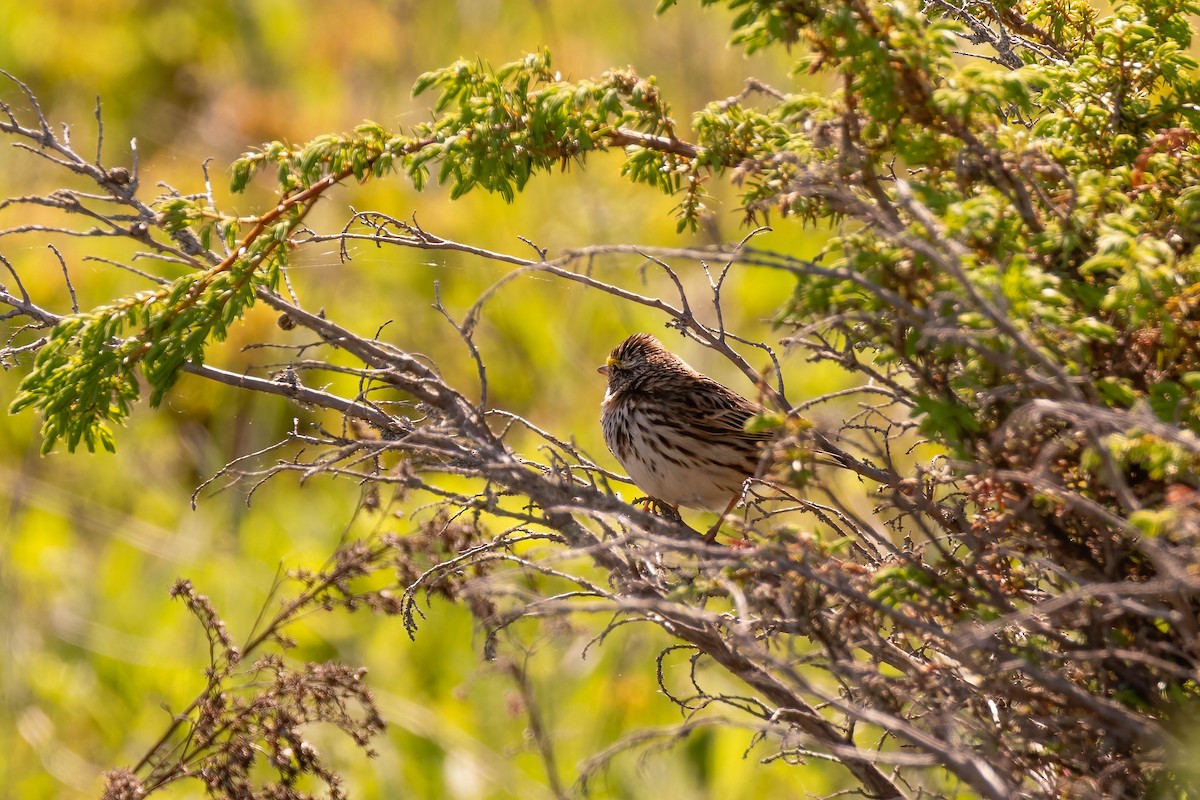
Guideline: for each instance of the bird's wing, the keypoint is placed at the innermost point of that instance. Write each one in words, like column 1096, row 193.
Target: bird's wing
column 724, row 412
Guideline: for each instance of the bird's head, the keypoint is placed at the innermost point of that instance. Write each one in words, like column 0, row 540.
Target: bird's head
column 638, row 358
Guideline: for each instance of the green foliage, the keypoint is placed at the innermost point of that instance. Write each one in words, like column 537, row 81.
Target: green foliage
column 85, row 377
column 762, row 23
column 369, row 152
column 500, row 127
column 1095, row 257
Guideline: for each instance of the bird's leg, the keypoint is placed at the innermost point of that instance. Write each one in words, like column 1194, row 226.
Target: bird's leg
column 711, row 536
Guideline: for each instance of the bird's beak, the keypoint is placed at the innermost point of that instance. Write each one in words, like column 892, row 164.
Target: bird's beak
column 603, row 370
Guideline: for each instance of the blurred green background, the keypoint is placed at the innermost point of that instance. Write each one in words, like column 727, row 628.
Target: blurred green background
column 92, row 646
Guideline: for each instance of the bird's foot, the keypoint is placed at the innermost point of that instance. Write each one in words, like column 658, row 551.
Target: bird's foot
column 660, row 508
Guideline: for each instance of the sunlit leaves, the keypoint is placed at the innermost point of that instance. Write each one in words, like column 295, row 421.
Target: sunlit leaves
column 762, row 23
column 85, row 377
column 497, row 128
column 369, row 151
column 1095, row 268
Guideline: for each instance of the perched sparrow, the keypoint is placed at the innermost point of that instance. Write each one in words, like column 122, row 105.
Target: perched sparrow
column 679, row 434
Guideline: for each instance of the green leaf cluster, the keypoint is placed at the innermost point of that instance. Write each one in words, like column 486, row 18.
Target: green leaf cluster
column 1069, row 182
column 497, row 128
column 370, row 151
column 85, row 376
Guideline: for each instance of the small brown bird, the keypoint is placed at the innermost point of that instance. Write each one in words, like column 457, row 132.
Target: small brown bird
column 679, row 434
